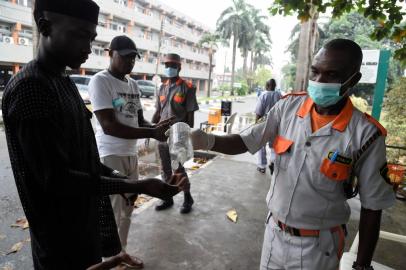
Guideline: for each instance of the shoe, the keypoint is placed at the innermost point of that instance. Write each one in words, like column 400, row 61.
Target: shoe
column 164, row 205
column 261, row 170
column 271, row 167
column 187, row 204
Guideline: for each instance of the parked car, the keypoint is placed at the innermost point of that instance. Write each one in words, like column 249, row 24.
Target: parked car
column 147, row 88
column 82, row 83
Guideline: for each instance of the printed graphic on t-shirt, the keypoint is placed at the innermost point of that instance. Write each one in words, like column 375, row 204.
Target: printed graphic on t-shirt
column 131, row 104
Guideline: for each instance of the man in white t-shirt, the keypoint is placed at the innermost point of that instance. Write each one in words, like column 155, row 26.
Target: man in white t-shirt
column 116, row 103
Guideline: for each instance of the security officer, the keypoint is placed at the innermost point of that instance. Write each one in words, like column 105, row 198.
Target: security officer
column 330, row 143
column 176, row 99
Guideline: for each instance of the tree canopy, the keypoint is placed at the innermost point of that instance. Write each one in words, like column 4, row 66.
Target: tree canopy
column 386, row 16
column 353, row 26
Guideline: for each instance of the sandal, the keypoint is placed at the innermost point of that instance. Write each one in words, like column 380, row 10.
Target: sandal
column 261, row 170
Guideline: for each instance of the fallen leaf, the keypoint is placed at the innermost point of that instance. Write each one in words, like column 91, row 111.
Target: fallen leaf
column 2, row 236
column 141, row 200
column 232, row 215
column 21, row 223
column 7, row 267
column 15, row 248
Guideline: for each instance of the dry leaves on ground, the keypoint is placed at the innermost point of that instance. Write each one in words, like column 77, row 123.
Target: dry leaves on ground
column 141, row 200
column 232, row 215
column 21, row 223
column 15, row 248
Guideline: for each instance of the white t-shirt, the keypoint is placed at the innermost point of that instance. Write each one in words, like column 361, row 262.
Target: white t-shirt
column 108, row 92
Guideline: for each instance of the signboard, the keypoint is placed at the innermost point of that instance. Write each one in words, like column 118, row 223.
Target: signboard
column 369, row 67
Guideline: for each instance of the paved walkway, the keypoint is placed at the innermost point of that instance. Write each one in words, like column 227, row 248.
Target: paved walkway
column 206, row 239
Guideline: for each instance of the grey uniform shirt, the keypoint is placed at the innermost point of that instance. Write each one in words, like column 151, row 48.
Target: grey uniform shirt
column 307, row 189
column 176, row 99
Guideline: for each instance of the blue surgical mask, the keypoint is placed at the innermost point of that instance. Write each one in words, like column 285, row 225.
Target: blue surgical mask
column 171, row 72
column 326, row 94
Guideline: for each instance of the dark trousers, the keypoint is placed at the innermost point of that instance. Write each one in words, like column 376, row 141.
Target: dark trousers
column 166, row 168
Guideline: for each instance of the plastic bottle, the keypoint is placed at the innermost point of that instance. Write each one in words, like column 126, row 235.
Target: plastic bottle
column 180, row 144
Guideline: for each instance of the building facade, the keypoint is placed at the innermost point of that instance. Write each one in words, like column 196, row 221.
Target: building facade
column 145, row 21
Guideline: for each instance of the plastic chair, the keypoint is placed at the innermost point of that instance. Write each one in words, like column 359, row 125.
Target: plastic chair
column 224, row 128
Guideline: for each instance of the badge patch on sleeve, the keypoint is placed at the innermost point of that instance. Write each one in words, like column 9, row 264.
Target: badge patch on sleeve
column 340, row 158
column 384, row 171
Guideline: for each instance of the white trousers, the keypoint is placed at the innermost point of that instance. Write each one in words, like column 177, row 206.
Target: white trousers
column 122, row 211
column 282, row 251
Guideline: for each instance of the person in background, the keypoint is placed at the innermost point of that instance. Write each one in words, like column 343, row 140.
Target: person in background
column 264, row 104
column 115, row 99
column 63, row 186
column 322, row 142
column 176, row 99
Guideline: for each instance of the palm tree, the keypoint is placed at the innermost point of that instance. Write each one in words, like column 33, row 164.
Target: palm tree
column 234, row 22
column 261, row 40
column 259, row 52
column 211, row 41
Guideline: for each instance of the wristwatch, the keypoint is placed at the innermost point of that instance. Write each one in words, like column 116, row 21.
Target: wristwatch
column 356, row 266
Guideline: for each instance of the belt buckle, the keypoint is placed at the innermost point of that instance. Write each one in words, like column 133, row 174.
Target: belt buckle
column 287, row 230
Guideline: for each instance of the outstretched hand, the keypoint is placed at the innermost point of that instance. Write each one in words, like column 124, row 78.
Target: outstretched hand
column 181, row 180
column 121, row 258
column 159, row 189
column 160, row 129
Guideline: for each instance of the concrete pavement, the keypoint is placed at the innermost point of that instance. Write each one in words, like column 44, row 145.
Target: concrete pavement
column 206, row 239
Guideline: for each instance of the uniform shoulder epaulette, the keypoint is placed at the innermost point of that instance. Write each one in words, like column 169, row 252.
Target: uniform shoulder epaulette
column 376, row 123
column 295, row 94
column 189, row 84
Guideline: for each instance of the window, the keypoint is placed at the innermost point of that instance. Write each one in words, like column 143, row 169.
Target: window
column 178, row 24
column 168, row 20
column 177, row 44
column 116, row 26
column 98, row 51
column 5, row 30
column 148, row 35
column 26, row 3
column 123, row 3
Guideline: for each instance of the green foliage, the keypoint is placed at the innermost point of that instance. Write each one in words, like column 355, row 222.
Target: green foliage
column 289, row 75
column 387, row 16
column 243, row 90
column 395, row 113
column 262, row 75
column 223, row 88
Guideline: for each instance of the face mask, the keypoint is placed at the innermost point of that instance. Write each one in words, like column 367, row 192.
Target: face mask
column 326, row 94
column 171, row 72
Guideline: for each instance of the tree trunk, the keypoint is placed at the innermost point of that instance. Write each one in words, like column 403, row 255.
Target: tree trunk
column 307, row 43
column 233, row 62
column 210, row 70
column 255, row 62
column 244, row 67
column 252, row 61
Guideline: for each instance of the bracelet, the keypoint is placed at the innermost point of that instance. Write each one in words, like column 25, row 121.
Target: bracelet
column 356, row 266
